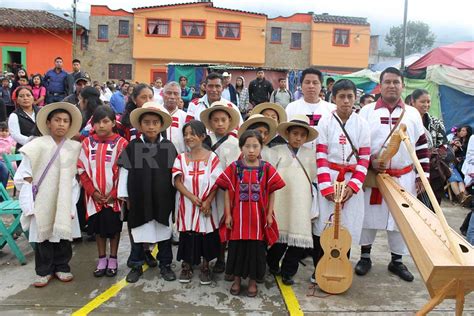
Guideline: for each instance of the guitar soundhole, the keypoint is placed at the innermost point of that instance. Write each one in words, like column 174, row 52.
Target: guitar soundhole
column 463, row 248
column 401, row 190
column 405, row 205
column 335, row 253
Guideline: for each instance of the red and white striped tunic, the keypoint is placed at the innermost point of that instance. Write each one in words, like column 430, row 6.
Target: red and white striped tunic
column 98, row 170
column 333, row 149
column 199, row 177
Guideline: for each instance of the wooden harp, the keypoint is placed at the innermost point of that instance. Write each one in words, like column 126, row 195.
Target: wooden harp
column 444, row 259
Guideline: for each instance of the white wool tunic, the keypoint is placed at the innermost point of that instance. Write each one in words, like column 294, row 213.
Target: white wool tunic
column 174, row 133
column 293, row 202
column 333, row 148
column 381, row 121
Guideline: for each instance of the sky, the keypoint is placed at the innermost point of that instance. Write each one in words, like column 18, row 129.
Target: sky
column 451, row 21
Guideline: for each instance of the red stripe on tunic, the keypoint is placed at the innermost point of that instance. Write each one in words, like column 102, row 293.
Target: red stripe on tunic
column 321, row 148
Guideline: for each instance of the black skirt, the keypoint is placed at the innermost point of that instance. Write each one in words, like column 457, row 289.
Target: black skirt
column 105, row 224
column 193, row 246
column 246, row 258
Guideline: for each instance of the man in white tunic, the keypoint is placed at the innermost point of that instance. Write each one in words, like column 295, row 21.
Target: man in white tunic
column 382, row 117
column 311, row 104
column 174, row 133
column 213, row 93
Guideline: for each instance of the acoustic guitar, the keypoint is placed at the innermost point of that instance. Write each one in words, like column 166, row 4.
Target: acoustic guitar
column 334, row 271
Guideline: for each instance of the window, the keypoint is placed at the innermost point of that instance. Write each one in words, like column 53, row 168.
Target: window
column 295, row 40
column 276, row 35
column 341, row 37
column 123, row 28
column 228, row 30
column 193, row 29
column 85, row 41
column 120, row 71
column 158, row 27
column 103, row 33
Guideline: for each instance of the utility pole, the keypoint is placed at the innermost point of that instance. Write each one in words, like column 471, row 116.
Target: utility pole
column 74, row 27
column 404, row 39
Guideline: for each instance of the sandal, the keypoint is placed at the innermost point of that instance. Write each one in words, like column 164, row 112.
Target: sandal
column 252, row 293
column 111, row 267
column 234, row 291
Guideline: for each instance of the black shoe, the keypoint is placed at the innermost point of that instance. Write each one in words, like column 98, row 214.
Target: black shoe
column 287, row 280
column 98, row 273
column 219, row 267
column 401, row 270
column 129, row 263
column 363, row 266
column 167, row 273
column 134, row 274
column 274, row 271
column 150, row 260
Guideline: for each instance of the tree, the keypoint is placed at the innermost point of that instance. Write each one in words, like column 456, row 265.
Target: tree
column 419, row 37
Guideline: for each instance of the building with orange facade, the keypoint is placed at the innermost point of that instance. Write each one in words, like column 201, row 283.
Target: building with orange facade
column 33, row 39
column 195, row 33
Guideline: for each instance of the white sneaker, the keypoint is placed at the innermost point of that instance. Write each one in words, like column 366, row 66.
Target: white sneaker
column 64, row 276
column 42, row 281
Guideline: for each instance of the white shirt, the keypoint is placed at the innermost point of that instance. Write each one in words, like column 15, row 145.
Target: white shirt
column 314, row 111
column 14, row 127
column 195, row 109
column 174, row 133
column 157, row 97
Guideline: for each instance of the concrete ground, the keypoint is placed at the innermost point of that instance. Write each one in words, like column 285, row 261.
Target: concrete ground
column 378, row 293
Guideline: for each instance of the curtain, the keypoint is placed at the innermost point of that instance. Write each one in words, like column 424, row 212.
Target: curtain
column 151, row 26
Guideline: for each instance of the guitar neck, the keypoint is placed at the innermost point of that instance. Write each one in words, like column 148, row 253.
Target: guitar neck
column 337, row 220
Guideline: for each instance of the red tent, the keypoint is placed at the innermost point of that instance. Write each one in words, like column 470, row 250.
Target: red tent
column 459, row 55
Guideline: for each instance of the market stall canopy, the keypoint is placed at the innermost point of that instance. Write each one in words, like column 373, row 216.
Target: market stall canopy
column 458, row 55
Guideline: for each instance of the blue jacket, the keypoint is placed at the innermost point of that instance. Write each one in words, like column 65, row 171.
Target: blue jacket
column 117, row 102
column 56, row 82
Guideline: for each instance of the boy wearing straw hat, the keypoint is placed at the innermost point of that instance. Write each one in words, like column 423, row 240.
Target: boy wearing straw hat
column 49, row 190
column 294, row 203
column 222, row 120
column 145, row 183
column 275, row 112
column 267, row 128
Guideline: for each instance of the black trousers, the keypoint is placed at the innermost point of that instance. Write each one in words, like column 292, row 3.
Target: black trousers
column 318, row 251
column 164, row 256
column 291, row 258
column 51, row 257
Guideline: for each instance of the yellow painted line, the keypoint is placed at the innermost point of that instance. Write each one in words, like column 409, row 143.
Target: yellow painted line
column 289, row 297
column 108, row 294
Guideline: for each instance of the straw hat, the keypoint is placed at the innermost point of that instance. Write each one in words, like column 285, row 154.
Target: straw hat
column 282, row 117
column 150, row 107
column 300, row 120
column 76, row 118
column 221, row 106
column 259, row 118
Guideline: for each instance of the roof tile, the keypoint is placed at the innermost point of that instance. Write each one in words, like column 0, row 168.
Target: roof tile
column 336, row 19
column 33, row 19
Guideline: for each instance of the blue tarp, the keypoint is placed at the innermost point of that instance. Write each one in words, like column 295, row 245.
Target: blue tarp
column 457, row 107
column 193, row 73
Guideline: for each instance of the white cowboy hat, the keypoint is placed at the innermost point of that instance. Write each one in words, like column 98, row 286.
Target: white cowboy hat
column 300, row 120
column 150, row 107
column 221, row 106
column 259, row 118
column 76, row 118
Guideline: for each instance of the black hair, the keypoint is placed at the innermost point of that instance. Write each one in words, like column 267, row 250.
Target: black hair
column 408, row 99
column 17, row 77
column 468, row 134
column 3, row 125
column 365, row 96
column 18, row 90
column 249, row 134
column 150, row 113
column 259, row 69
column 76, row 61
column 58, row 111
column 281, row 78
column 343, row 84
column 101, row 112
column 39, row 76
column 418, row 93
column 126, row 82
column 92, row 96
column 329, row 80
column 311, row 71
column 131, row 105
column 257, row 125
column 391, row 70
column 58, row 58
column 292, row 127
column 199, row 129
column 182, row 77
column 212, row 76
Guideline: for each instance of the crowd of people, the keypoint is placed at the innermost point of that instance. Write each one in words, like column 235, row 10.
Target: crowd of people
column 243, row 170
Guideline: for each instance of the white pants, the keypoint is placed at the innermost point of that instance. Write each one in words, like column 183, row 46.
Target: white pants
column 395, row 240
